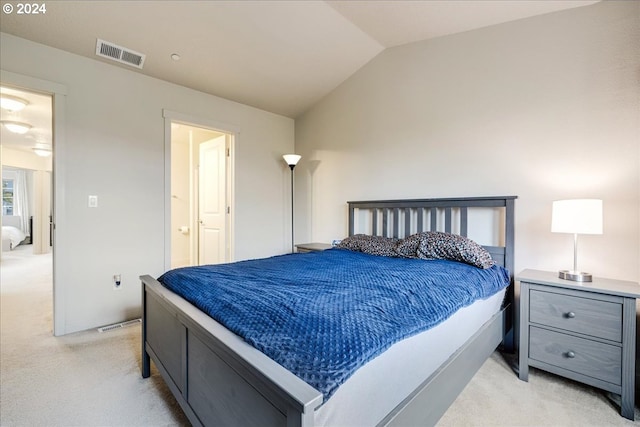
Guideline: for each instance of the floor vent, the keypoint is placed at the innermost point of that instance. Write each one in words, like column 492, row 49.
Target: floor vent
column 119, row 325
column 118, row 53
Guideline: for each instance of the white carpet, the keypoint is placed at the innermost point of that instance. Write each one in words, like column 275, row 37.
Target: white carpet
column 93, row 379
column 83, row 379
column 496, row 397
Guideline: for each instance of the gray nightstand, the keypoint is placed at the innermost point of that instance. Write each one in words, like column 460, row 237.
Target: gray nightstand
column 310, row 247
column 582, row 331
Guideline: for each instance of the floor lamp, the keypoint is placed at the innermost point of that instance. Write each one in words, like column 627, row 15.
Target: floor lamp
column 292, row 160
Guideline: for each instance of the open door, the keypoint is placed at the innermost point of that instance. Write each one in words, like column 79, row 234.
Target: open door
column 212, row 207
column 201, row 194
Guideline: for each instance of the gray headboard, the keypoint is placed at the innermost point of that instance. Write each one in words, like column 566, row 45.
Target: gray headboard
column 401, row 218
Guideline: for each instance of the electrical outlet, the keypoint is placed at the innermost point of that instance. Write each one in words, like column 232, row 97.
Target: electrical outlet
column 117, row 281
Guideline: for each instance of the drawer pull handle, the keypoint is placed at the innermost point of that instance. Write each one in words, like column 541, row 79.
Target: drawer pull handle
column 570, row 354
column 570, row 315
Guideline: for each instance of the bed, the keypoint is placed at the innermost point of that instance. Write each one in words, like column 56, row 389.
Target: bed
column 12, row 234
column 218, row 378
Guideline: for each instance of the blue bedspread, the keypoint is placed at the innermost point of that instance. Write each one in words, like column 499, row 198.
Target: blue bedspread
column 324, row 314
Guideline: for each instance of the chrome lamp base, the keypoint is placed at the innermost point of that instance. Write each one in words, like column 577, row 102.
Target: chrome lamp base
column 576, row 276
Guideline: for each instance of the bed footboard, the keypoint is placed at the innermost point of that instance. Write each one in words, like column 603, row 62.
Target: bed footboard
column 196, row 355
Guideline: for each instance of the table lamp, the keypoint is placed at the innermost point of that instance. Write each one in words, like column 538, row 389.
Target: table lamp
column 576, row 216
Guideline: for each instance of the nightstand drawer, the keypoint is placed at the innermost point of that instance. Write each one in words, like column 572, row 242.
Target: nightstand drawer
column 583, row 356
column 588, row 316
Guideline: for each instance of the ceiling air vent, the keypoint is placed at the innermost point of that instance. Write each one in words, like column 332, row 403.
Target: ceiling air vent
column 119, row 53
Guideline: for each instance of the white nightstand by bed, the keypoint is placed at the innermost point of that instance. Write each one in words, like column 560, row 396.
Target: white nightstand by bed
column 585, row 331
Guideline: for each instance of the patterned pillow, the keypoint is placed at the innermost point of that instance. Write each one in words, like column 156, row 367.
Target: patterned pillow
column 372, row 245
column 408, row 247
column 439, row 245
column 351, row 243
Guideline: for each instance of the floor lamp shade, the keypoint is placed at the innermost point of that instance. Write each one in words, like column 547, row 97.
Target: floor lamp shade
column 576, row 216
column 292, row 160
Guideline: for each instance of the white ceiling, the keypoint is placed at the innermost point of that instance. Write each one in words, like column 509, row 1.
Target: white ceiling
column 280, row 56
column 38, row 113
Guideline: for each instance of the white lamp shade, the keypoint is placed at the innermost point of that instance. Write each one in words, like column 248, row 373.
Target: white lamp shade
column 577, row 216
column 291, row 159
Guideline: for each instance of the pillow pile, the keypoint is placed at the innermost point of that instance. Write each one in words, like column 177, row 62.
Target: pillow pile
column 425, row 245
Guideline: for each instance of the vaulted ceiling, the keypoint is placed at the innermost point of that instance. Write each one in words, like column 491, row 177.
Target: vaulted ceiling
column 280, row 56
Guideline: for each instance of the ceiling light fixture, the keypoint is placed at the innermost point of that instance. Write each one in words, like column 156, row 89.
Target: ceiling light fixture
column 175, row 57
column 16, row 127
column 42, row 152
column 12, row 103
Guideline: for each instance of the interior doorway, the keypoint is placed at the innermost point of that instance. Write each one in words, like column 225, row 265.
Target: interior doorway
column 201, row 195
column 26, row 168
column 26, row 139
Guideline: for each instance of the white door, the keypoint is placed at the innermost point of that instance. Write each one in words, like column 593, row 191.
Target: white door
column 212, row 202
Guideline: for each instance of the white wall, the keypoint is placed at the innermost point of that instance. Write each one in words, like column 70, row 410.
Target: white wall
column 543, row 108
column 180, row 199
column 114, row 148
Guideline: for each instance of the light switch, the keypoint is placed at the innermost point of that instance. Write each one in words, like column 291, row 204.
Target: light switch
column 93, row 201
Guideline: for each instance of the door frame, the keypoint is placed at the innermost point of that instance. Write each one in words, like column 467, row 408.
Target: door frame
column 58, row 93
column 226, row 128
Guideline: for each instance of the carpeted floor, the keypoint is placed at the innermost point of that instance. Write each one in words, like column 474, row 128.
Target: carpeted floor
column 496, row 397
column 83, row 379
column 93, row 379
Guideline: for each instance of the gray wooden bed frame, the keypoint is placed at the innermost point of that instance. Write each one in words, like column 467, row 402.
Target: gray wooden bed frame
column 220, row 380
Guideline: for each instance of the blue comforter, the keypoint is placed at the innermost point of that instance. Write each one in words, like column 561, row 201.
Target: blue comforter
column 322, row 315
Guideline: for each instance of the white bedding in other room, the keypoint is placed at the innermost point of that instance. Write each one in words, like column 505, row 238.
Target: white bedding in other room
column 13, row 234
column 380, row 385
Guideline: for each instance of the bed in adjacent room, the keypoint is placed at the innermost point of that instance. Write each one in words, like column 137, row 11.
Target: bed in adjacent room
column 385, row 329
column 12, row 234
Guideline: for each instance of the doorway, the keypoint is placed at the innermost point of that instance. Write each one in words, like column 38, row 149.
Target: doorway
column 26, row 168
column 27, row 144
column 57, row 101
column 200, row 194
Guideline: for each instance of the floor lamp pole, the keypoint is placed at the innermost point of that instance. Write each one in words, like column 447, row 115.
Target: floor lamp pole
column 292, row 166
